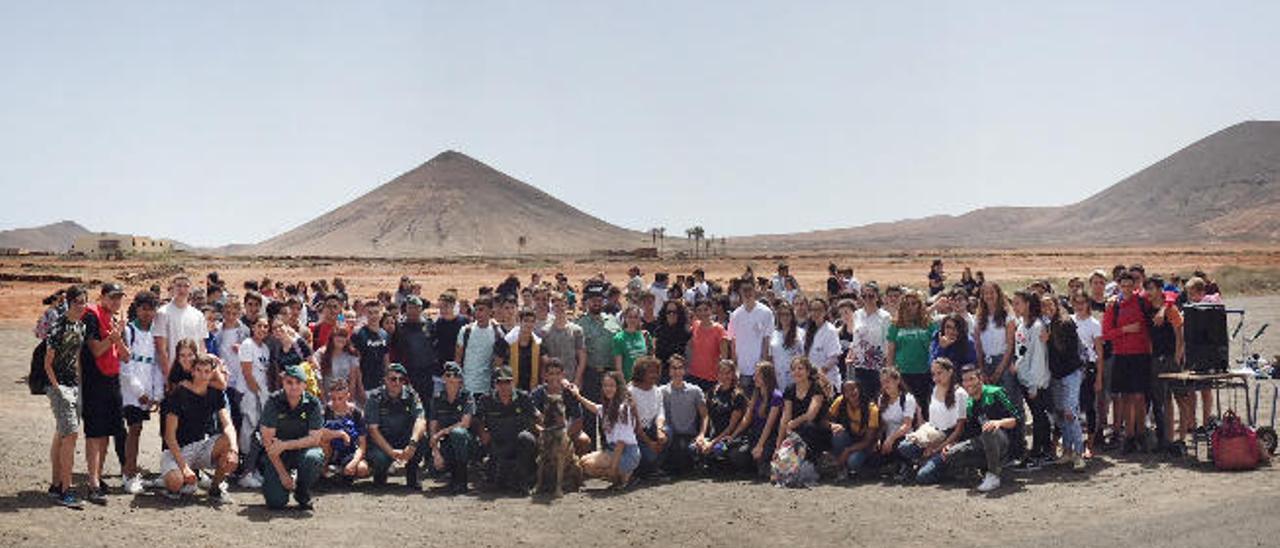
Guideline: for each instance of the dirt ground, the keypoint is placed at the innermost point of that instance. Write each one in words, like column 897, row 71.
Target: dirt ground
column 1116, row 501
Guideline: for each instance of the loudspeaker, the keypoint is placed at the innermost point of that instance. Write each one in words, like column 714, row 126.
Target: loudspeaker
column 1204, row 331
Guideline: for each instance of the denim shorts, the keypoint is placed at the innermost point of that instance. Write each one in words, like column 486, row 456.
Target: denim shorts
column 630, row 458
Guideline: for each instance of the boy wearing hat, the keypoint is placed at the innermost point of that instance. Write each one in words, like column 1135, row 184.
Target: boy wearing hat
column 397, row 427
column 102, row 406
column 507, row 423
column 292, row 429
column 451, row 441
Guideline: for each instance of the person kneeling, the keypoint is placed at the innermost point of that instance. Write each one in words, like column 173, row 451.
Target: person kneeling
column 345, row 440
column 507, row 419
column 617, row 413
column 451, row 441
column 992, row 418
column 188, row 411
column 855, row 427
column 292, row 420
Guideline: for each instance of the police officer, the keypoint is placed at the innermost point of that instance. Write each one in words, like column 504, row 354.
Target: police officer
column 452, row 443
column 397, row 427
column 292, row 420
column 508, row 418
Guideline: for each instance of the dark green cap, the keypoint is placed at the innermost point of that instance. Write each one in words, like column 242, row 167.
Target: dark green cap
column 397, row 368
column 295, row 372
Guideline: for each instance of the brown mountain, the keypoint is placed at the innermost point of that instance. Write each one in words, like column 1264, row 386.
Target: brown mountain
column 1222, row 188
column 55, row 238
column 452, row 205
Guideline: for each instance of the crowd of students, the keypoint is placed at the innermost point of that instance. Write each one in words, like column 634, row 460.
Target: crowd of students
column 285, row 385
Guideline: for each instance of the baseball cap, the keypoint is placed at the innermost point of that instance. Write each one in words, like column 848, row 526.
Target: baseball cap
column 295, row 372
column 397, row 368
column 112, row 288
column 452, row 368
column 504, row 374
column 413, row 300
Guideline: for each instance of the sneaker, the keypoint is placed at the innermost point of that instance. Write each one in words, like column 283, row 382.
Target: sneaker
column 250, row 481
column 152, row 483
column 1029, row 464
column 219, row 495
column 1077, row 463
column 173, row 497
column 990, row 482
column 1066, row 458
column 98, row 496
column 204, row 483
column 54, row 492
column 307, row 506
column 69, row 499
column 133, row 484
column 188, row 489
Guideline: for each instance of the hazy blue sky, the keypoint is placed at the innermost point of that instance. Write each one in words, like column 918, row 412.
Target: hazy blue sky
column 218, row 122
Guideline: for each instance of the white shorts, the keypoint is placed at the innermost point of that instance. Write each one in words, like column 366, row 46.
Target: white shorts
column 198, row 454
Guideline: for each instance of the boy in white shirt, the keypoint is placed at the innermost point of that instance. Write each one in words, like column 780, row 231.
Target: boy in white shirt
column 141, row 384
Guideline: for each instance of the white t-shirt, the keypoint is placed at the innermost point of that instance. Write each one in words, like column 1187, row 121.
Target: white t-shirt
column 648, row 404
column 258, row 355
column 1033, row 363
column 659, row 298
column 748, row 329
column 175, row 323
column 1089, row 330
column 897, row 412
column 825, row 352
column 993, row 337
column 692, row 294
column 140, row 376
column 623, row 431
column 781, row 356
column 944, row 418
column 870, row 333
column 229, row 339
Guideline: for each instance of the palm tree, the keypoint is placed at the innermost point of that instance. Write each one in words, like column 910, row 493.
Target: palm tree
column 521, row 241
column 653, row 236
column 697, row 233
column 722, row 245
column 662, row 237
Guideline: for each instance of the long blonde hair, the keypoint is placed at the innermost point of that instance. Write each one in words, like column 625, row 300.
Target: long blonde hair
column 919, row 319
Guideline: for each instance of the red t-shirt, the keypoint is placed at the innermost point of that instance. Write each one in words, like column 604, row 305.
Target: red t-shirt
column 109, row 362
column 1131, row 311
column 320, row 333
column 705, row 356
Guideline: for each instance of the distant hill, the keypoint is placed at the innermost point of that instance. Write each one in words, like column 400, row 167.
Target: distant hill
column 449, row 206
column 1222, row 188
column 54, row 238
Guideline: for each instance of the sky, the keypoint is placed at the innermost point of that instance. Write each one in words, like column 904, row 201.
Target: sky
column 215, row 123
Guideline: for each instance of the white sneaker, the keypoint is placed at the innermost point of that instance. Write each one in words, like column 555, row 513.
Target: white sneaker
column 204, row 483
column 187, row 489
column 990, row 483
column 133, row 484
column 153, row 483
column 1077, row 463
column 250, row 481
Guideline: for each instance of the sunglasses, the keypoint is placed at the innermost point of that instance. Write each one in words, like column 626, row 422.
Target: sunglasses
column 395, row 379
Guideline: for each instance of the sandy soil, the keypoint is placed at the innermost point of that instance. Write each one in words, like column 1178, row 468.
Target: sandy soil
column 1117, row 500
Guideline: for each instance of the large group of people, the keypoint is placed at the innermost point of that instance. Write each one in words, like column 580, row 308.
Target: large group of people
column 279, row 386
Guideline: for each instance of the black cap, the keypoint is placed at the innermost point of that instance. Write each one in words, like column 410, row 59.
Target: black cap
column 593, row 290
column 503, row 374
column 112, row 288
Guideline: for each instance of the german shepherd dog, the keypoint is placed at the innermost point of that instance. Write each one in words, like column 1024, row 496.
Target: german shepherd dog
column 556, row 459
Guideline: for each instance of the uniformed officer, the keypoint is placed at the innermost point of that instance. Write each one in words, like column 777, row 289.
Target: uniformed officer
column 508, row 418
column 452, row 443
column 397, row 427
column 291, row 425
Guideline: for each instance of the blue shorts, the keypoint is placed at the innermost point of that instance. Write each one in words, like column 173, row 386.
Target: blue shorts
column 630, row 458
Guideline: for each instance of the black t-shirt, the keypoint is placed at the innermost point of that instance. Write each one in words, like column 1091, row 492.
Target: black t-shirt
column 720, row 407
column 415, row 349
column 669, row 340
column 373, row 350
column 833, row 286
column 446, row 337
column 572, row 407
column 800, row 406
column 525, row 359
column 197, row 414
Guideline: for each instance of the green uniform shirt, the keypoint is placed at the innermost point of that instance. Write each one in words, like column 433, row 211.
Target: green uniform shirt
column 911, row 347
column 292, row 423
column 393, row 417
column 448, row 413
column 505, row 421
column 598, row 331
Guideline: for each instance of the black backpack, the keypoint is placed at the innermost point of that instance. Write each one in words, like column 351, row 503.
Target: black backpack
column 37, row 380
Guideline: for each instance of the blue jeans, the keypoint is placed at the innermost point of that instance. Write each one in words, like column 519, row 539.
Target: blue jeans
column 1066, row 401
column 856, row 459
column 930, row 470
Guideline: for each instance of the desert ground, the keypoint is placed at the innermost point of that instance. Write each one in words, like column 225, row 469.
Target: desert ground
column 1117, row 500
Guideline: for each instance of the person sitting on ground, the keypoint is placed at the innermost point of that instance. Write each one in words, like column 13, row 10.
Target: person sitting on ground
column 724, row 409
column 948, row 405
column 685, row 410
column 345, row 437
column 754, row 437
column 899, row 414
column 648, row 401
column 397, row 427
column 553, row 375
column 291, row 426
column 855, row 427
column 992, row 418
column 804, row 409
column 507, row 426
column 189, row 412
column 620, row 455
column 452, row 443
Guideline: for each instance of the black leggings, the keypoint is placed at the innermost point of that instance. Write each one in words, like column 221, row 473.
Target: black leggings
column 1040, row 421
column 921, row 386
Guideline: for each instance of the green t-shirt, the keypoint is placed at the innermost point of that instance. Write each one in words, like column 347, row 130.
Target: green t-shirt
column 630, row 346
column 598, row 332
column 911, row 347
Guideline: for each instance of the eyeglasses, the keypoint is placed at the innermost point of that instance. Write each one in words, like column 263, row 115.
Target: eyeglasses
column 395, row 379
